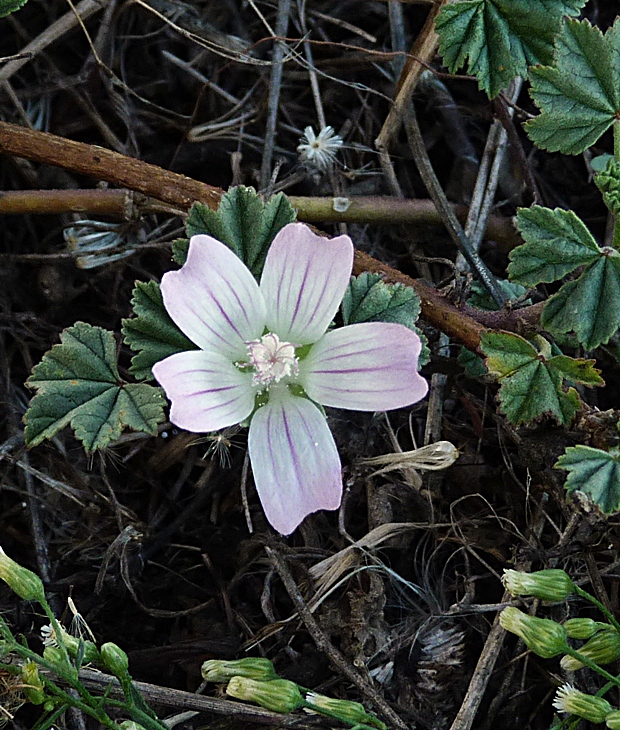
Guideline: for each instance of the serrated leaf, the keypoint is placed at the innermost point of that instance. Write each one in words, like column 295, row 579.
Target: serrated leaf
column 180, row 247
column 202, row 220
column 556, row 243
column 579, row 96
column 151, row 333
column 369, row 299
column 595, row 473
column 499, row 39
column 78, row 383
column 243, row 222
column 277, row 213
column 588, row 306
column 577, row 371
column 608, row 182
column 532, row 386
column 10, row 6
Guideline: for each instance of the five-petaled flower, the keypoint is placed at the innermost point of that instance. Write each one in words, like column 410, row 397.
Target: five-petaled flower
column 266, row 354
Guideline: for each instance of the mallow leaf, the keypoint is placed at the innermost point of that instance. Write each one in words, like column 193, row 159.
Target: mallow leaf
column 579, row 95
column 594, row 473
column 10, row 6
column 369, row 299
column 151, row 334
column 556, row 244
column 590, row 305
column 532, row 382
column 78, row 383
column 608, row 182
column 243, row 222
column 499, row 39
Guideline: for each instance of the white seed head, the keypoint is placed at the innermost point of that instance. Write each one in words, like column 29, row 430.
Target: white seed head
column 319, row 151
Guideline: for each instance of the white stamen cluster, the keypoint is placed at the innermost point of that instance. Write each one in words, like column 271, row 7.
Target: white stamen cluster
column 272, row 359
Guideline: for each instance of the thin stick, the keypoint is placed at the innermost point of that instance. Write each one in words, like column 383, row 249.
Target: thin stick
column 324, row 644
column 454, row 227
column 275, row 83
column 69, row 20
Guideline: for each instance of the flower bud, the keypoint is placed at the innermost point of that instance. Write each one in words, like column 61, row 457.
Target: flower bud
column 278, row 695
column 130, row 725
column 583, row 628
column 603, row 648
column 115, row 659
column 544, row 637
column 72, row 644
column 32, row 685
column 352, row 712
column 568, row 699
column 220, row 670
column 548, row 585
column 22, row 581
column 54, row 655
column 613, row 720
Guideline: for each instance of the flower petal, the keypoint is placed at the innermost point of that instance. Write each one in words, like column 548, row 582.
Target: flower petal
column 294, row 460
column 206, row 390
column 304, row 281
column 372, row 366
column 214, row 299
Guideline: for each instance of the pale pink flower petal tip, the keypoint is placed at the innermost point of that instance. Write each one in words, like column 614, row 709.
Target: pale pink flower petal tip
column 249, row 339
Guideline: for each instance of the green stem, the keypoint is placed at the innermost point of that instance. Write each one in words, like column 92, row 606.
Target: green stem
column 603, row 609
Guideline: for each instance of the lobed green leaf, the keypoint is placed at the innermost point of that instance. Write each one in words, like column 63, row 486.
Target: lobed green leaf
column 10, row 6
column 531, row 384
column 78, row 383
column 151, row 333
column 499, row 39
column 243, row 222
column 595, row 473
column 556, row 243
column 588, row 306
column 579, row 96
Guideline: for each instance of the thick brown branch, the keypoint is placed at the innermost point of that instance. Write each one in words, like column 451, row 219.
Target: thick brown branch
column 464, row 325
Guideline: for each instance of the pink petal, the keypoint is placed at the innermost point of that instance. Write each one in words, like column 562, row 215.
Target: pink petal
column 206, row 390
column 371, row 366
column 214, row 299
column 304, row 281
column 294, row 459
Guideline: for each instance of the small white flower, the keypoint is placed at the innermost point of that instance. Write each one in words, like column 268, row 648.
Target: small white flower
column 319, row 150
column 48, row 635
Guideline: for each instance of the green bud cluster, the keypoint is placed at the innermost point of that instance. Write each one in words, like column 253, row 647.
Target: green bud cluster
column 32, row 684
column 602, row 648
column 353, row 712
column 20, row 580
column 548, row 585
column 570, row 700
column 583, row 628
column 115, row 659
column 220, row 670
column 278, row 695
column 544, row 637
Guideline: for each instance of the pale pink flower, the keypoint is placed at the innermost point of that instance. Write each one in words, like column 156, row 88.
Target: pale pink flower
column 265, row 353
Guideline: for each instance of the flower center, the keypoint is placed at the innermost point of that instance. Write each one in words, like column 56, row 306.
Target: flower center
column 272, row 360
